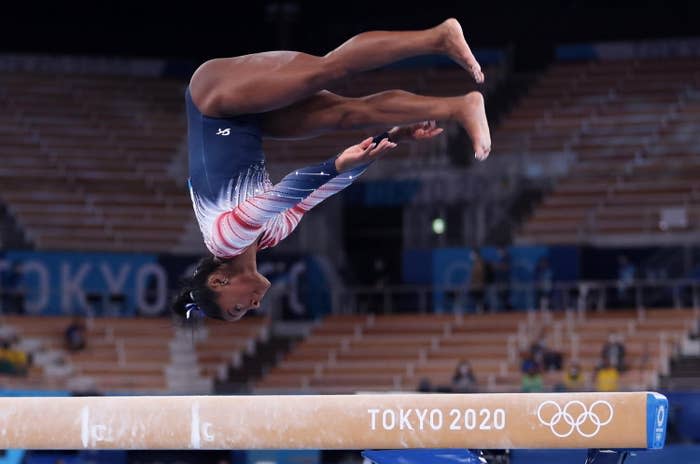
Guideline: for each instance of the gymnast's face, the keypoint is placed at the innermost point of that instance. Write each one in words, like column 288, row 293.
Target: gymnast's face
column 239, row 293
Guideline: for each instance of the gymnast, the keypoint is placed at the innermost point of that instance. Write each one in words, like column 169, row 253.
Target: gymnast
column 233, row 103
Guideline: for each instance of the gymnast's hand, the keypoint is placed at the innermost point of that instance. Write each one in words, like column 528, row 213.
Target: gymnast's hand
column 419, row 131
column 362, row 153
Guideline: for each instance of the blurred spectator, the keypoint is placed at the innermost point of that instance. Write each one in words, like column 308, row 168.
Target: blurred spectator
column 476, row 281
column 380, row 277
column 11, row 292
column 490, row 289
column 544, row 357
column 76, row 335
column 6, row 365
column 574, row 380
column 543, row 284
column 626, row 273
column 527, row 361
column 12, row 361
column 614, row 352
column 532, row 380
column 463, row 380
column 502, row 278
column 538, row 348
column 8, row 335
column 607, row 379
column 424, row 386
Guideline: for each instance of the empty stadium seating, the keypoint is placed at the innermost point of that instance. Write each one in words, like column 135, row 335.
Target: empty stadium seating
column 86, row 161
column 133, row 355
column 355, row 353
column 629, row 125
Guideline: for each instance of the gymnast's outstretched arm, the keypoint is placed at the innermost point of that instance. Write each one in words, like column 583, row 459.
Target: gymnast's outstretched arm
column 300, row 190
column 350, row 164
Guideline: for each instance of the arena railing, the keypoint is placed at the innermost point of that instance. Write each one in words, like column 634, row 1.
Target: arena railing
column 581, row 295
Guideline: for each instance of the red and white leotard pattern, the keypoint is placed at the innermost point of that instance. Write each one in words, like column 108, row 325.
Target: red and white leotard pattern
column 250, row 206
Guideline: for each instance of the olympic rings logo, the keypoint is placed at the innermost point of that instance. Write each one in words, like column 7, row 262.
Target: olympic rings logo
column 575, row 416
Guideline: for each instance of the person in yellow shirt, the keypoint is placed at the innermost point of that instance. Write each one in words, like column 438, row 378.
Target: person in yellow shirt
column 574, row 380
column 6, row 366
column 12, row 361
column 607, row 378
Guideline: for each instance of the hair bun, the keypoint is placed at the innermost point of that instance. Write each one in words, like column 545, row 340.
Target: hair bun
column 195, row 293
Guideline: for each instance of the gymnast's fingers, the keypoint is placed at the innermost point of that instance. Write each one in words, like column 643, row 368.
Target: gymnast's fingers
column 428, row 133
column 366, row 150
column 366, row 144
column 383, row 146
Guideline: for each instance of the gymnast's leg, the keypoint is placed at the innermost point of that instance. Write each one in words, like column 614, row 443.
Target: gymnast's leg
column 268, row 81
column 325, row 112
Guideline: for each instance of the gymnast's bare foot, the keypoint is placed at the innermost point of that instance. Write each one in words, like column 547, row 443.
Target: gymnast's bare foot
column 472, row 116
column 456, row 47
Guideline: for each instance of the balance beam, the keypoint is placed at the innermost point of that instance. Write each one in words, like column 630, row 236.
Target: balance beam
column 368, row 421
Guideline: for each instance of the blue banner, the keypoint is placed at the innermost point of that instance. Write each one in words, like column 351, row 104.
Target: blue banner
column 127, row 284
column 417, row 267
column 62, row 283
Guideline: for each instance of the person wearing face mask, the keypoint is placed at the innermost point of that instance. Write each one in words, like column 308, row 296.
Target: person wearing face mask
column 613, row 352
column 464, row 380
column 574, row 379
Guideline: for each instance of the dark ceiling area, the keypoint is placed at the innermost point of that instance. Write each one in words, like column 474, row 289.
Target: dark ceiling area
column 204, row 29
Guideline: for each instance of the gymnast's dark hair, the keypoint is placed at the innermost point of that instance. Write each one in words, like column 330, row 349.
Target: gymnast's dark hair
column 195, row 299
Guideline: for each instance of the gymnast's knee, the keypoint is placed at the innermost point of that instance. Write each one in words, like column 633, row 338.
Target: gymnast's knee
column 331, row 69
column 206, row 88
column 351, row 116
